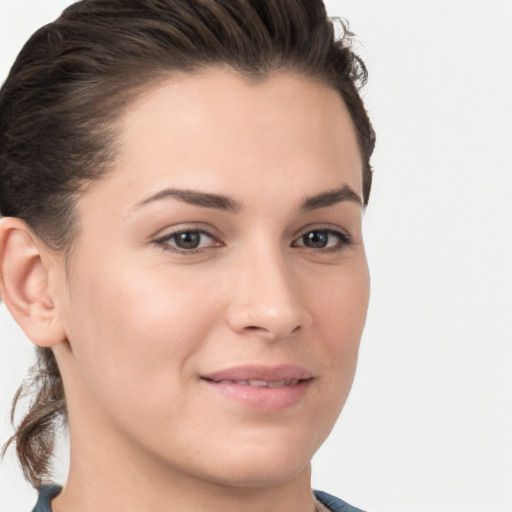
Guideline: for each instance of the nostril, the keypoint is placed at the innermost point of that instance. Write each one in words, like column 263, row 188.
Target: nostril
column 257, row 328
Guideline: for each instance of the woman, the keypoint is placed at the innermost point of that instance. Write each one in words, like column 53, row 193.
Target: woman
column 182, row 192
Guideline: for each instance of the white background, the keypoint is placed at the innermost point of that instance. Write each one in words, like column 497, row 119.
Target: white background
column 428, row 427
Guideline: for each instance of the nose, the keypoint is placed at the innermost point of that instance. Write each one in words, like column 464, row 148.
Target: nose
column 266, row 300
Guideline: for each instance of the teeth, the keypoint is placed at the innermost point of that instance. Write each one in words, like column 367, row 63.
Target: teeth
column 262, row 383
column 277, row 383
column 259, row 383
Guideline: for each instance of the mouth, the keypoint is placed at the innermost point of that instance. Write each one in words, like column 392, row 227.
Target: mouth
column 261, row 383
column 260, row 388
column 261, row 375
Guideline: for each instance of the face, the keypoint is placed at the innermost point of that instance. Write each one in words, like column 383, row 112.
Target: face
column 219, row 286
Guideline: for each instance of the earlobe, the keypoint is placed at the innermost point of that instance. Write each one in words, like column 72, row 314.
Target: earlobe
column 24, row 284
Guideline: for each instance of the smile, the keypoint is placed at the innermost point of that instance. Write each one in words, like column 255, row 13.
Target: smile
column 261, row 383
column 261, row 388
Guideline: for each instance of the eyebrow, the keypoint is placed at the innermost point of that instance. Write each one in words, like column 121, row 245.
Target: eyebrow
column 330, row 198
column 195, row 198
column 220, row 202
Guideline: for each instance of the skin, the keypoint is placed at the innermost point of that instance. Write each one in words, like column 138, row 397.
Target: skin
column 141, row 321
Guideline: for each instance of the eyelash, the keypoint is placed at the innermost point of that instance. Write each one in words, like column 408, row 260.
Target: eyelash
column 166, row 242
column 343, row 239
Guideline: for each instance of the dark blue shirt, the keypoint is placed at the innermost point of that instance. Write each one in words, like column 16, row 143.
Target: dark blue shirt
column 47, row 493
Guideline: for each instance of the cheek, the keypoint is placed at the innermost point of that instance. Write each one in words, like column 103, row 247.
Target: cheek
column 135, row 326
column 340, row 315
column 342, row 306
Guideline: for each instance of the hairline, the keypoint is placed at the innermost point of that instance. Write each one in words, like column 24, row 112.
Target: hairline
column 156, row 78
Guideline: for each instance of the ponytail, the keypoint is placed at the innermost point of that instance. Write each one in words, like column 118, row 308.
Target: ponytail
column 34, row 437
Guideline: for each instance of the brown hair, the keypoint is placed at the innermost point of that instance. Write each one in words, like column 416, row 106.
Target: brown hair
column 71, row 82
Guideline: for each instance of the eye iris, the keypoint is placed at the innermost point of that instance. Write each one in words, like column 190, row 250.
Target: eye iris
column 188, row 240
column 316, row 239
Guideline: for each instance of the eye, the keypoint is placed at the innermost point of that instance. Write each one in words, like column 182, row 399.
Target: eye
column 187, row 240
column 323, row 239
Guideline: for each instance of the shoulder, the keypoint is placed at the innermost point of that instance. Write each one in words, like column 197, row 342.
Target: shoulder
column 46, row 494
column 334, row 504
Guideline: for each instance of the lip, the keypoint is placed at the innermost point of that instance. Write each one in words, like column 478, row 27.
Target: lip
column 261, row 372
column 288, row 386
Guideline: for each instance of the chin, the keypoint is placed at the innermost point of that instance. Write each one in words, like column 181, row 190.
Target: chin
column 256, row 476
column 274, row 462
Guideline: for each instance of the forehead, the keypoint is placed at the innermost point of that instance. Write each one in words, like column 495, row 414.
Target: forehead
column 216, row 130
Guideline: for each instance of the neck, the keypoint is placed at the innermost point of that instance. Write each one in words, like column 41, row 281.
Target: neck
column 113, row 490
column 106, row 474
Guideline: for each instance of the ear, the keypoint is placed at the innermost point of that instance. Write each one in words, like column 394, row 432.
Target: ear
column 24, row 283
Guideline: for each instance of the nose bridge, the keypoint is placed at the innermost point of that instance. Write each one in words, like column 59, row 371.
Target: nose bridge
column 266, row 301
